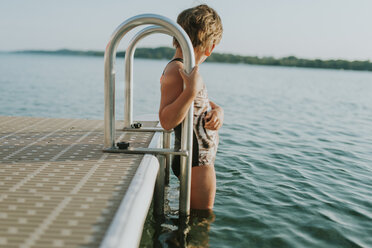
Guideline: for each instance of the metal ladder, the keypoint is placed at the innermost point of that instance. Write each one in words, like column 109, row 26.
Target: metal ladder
column 169, row 27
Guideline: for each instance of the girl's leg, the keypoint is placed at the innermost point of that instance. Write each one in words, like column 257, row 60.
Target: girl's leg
column 203, row 187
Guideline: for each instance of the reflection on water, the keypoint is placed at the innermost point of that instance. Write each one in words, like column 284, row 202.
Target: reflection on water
column 172, row 231
column 195, row 233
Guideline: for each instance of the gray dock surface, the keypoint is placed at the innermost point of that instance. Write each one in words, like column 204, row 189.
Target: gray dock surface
column 57, row 187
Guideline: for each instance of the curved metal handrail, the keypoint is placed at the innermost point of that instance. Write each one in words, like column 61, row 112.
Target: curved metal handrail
column 110, row 56
column 167, row 26
column 128, row 91
column 128, row 68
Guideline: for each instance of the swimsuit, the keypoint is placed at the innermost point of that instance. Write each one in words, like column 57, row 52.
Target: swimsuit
column 205, row 141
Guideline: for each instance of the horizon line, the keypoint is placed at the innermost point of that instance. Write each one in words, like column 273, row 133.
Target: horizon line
column 224, row 53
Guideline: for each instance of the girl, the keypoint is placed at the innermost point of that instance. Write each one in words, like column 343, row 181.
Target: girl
column 204, row 27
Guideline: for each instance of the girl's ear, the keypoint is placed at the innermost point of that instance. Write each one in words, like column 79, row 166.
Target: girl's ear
column 209, row 50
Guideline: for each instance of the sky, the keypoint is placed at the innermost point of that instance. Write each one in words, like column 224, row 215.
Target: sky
column 324, row 29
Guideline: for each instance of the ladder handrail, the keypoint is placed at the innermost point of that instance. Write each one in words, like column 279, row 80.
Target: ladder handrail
column 175, row 30
column 128, row 68
column 110, row 56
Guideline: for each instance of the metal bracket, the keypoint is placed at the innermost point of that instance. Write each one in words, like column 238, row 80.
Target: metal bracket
column 146, row 129
column 153, row 151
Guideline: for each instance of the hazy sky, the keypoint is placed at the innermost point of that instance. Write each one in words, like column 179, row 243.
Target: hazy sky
column 304, row 28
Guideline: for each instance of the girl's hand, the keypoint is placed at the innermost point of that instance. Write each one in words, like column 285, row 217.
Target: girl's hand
column 193, row 80
column 214, row 119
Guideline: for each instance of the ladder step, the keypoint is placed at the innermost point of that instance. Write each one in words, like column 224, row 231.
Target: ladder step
column 146, row 129
column 153, row 151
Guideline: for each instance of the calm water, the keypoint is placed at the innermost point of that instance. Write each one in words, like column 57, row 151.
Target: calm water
column 294, row 166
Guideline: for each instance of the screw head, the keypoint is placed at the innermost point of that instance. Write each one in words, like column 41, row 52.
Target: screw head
column 123, row 145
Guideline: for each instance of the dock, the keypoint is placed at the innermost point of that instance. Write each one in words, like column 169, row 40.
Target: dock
column 58, row 189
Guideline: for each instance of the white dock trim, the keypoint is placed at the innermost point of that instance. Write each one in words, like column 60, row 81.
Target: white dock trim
column 126, row 228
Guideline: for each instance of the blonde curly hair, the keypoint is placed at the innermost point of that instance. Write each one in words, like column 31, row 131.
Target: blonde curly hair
column 202, row 24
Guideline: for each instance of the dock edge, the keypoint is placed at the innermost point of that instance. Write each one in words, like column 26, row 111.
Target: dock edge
column 127, row 225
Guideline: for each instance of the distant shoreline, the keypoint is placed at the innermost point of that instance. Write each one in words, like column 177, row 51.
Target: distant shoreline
column 167, row 53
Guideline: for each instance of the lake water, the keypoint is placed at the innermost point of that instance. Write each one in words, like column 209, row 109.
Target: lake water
column 294, row 166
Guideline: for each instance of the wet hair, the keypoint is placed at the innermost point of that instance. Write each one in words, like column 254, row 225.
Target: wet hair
column 202, row 24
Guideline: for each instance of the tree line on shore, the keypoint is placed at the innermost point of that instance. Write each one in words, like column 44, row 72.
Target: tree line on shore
column 167, row 53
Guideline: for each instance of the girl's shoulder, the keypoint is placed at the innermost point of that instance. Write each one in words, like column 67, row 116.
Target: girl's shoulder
column 171, row 74
column 173, row 66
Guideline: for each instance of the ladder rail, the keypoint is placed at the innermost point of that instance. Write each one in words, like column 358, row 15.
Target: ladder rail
column 128, row 91
column 166, row 26
column 128, row 68
column 110, row 56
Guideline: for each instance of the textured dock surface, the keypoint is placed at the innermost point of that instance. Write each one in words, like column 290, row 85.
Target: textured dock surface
column 57, row 188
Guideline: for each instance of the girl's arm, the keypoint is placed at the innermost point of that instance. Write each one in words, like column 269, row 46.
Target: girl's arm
column 175, row 102
column 214, row 118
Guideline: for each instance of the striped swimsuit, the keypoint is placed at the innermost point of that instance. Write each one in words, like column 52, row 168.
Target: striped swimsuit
column 205, row 141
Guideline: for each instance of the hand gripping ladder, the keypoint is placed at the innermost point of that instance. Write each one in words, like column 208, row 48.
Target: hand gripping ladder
column 169, row 27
